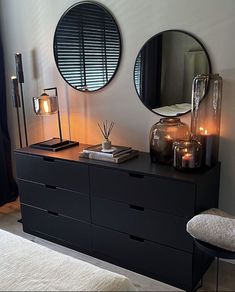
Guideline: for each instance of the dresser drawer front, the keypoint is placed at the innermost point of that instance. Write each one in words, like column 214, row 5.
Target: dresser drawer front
column 171, row 266
column 65, row 229
column 57, row 200
column 158, row 227
column 68, row 175
column 160, row 194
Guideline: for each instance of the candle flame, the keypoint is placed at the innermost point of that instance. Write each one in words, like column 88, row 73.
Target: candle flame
column 168, row 137
column 203, row 131
column 187, row 156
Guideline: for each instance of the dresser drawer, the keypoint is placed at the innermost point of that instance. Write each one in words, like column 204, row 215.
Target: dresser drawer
column 160, row 194
column 158, row 227
column 57, row 200
column 68, row 175
column 170, row 265
column 61, row 228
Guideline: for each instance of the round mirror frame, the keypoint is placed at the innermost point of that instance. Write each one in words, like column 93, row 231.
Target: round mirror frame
column 119, row 37
column 170, row 30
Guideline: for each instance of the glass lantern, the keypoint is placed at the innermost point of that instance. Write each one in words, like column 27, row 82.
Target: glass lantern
column 206, row 112
column 162, row 136
column 45, row 104
column 187, row 155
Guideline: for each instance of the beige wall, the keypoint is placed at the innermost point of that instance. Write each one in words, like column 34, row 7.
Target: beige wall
column 28, row 27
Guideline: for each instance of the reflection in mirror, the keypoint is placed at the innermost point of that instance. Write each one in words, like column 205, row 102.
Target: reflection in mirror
column 164, row 71
column 87, row 46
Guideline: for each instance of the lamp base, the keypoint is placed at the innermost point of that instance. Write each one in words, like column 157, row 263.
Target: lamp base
column 54, row 144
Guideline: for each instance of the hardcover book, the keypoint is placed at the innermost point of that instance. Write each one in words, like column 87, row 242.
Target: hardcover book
column 115, row 151
column 117, row 159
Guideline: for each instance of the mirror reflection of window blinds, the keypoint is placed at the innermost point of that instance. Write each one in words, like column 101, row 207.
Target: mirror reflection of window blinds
column 88, row 47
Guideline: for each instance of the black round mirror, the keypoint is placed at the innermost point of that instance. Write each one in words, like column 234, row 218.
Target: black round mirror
column 87, row 46
column 164, row 71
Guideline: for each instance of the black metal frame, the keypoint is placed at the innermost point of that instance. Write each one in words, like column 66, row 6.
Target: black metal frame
column 215, row 252
column 119, row 36
column 20, row 77
column 58, row 111
column 173, row 30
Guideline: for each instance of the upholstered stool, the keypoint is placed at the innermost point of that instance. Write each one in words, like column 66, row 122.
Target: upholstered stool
column 214, row 233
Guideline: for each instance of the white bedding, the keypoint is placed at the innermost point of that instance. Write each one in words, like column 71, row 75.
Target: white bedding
column 27, row 266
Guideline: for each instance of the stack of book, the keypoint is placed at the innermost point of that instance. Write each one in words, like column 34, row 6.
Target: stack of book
column 116, row 154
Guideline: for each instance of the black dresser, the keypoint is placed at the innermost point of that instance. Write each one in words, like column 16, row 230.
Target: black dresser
column 132, row 214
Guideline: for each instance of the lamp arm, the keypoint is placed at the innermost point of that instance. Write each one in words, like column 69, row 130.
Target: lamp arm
column 58, row 112
column 59, row 123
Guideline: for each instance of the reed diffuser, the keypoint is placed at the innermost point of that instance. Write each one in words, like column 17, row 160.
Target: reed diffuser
column 106, row 129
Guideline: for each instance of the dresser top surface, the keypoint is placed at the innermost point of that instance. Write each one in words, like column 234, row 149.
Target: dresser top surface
column 141, row 164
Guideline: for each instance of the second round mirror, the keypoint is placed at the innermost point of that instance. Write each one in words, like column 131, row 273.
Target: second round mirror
column 164, row 71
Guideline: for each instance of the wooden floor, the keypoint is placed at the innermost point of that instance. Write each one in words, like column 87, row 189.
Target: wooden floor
column 10, row 213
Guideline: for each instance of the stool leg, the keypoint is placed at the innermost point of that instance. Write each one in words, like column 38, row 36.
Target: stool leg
column 217, row 273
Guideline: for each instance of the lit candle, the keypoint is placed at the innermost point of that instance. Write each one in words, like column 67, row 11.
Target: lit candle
column 207, row 140
column 168, row 141
column 187, row 161
column 168, row 138
column 165, row 149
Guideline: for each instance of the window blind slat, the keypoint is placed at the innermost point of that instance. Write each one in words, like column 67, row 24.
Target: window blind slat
column 87, row 46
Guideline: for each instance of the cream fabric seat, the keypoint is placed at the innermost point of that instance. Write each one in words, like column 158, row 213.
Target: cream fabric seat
column 214, row 227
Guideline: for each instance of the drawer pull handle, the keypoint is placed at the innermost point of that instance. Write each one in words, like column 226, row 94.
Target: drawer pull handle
column 48, row 159
column 136, row 238
column 50, row 187
column 52, row 213
column 136, row 175
column 136, row 207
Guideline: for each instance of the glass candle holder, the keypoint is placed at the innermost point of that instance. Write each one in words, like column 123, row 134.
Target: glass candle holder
column 187, row 155
column 206, row 112
column 162, row 136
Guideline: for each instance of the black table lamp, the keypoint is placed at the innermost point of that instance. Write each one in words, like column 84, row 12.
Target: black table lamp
column 48, row 105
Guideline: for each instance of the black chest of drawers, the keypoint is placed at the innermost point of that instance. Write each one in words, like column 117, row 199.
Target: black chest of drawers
column 131, row 214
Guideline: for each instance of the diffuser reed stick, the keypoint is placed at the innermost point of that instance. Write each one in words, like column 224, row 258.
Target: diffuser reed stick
column 106, row 130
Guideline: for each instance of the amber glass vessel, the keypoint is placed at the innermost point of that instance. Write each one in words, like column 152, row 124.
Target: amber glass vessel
column 162, row 136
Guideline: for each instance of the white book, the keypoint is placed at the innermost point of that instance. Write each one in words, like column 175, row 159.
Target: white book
column 118, row 159
column 117, row 150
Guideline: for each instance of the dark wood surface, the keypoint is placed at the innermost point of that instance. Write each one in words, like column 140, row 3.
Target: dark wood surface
column 141, row 164
column 133, row 214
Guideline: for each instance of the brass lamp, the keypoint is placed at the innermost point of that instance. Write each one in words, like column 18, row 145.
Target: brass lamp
column 48, row 105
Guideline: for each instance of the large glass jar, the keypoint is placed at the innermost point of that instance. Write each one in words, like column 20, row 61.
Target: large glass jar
column 162, row 136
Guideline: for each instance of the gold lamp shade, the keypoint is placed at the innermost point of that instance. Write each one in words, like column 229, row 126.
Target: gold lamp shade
column 45, row 104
